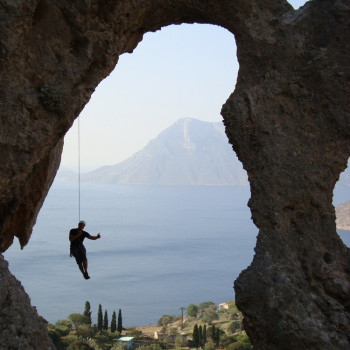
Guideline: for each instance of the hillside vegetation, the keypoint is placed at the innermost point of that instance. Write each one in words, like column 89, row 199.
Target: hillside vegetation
column 198, row 326
column 179, row 330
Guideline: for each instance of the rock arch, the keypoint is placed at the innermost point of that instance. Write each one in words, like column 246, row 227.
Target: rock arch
column 288, row 121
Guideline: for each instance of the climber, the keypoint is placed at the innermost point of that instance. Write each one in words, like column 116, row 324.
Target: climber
column 77, row 249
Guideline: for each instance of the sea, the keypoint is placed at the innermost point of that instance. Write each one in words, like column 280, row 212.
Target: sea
column 161, row 248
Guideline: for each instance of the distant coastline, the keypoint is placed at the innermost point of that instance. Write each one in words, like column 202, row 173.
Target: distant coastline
column 343, row 216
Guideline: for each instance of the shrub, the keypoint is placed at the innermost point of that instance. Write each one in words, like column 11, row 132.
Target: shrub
column 242, row 338
column 239, row 346
column 69, row 339
column 85, row 331
column 174, row 331
column 119, row 346
column 150, row 347
column 55, row 337
column 79, row 345
column 207, row 305
column 210, row 346
column 104, row 337
column 209, row 316
column 165, row 319
column 63, row 327
column 180, row 341
column 132, row 332
column 93, row 343
column 234, row 326
column 226, row 340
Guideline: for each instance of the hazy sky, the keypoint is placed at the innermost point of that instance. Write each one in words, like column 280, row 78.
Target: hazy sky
column 179, row 71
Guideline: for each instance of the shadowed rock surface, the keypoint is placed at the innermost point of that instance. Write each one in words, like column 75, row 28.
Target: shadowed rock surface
column 20, row 325
column 288, row 121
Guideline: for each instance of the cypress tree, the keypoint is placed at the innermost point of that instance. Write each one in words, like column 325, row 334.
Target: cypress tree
column 99, row 318
column 204, row 334
column 87, row 312
column 114, row 322
column 217, row 335
column 120, row 321
column 213, row 333
column 105, row 321
column 200, row 336
column 195, row 336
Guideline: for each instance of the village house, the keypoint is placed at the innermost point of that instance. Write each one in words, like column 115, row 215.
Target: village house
column 127, row 341
column 223, row 306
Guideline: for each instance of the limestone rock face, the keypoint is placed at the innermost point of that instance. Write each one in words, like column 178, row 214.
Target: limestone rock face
column 288, row 120
column 20, row 325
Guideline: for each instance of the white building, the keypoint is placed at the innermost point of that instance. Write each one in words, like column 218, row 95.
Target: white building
column 223, row 306
column 127, row 341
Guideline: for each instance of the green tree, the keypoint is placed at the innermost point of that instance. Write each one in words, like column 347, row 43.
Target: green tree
column 150, row 347
column 209, row 316
column 77, row 319
column 234, row 326
column 210, row 346
column 180, row 341
column 192, row 310
column 226, row 340
column 200, row 335
column 213, row 333
column 242, row 338
column 63, row 327
column 174, row 331
column 99, row 318
column 65, row 323
column 102, row 338
column 69, row 339
column 79, row 345
column 114, row 322
column 120, row 321
column 165, row 319
column 239, row 346
column 95, row 345
column 87, row 312
column 85, row 331
column 120, row 346
column 195, row 336
column 56, row 338
column 207, row 305
column 105, row 321
column 204, row 334
column 217, row 335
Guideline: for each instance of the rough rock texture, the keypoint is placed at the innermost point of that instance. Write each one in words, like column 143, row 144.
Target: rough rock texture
column 288, row 120
column 20, row 326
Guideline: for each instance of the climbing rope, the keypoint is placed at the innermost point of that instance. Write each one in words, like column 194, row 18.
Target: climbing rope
column 79, row 168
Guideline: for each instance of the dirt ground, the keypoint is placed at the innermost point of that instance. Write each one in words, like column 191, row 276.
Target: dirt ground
column 149, row 330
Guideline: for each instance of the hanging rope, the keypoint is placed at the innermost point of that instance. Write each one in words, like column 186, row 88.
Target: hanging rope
column 79, row 168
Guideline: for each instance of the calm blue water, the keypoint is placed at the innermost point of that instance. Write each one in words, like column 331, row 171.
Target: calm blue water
column 161, row 249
